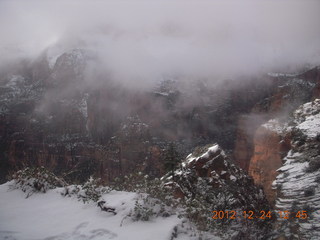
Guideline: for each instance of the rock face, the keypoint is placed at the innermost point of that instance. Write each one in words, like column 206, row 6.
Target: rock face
column 208, row 172
column 266, row 159
column 247, row 126
column 297, row 184
column 285, row 161
column 208, row 180
column 313, row 75
column 260, row 147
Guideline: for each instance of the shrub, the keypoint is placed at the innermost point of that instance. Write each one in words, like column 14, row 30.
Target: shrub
column 314, row 165
column 31, row 180
column 134, row 182
column 309, row 192
column 299, row 137
column 142, row 211
column 310, row 210
column 89, row 191
column 147, row 207
column 143, row 184
column 317, row 180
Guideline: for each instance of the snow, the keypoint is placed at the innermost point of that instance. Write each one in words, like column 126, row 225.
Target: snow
column 52, row 216
column 211, row 150
column 311, row 126
column 83, row 106
column 14, row 81
column 308, row 118
column 281, row 75
column 296, row 185
column 162, row 94
column 294, row 180
column 233, row 178
column 190, row 159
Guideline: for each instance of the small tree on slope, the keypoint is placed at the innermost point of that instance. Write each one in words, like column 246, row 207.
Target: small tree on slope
column 171, row 159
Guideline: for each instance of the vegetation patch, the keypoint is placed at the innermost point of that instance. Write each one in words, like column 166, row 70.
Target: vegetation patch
column 31, row 180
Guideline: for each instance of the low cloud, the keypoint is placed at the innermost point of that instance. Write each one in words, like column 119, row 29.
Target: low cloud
column 138, row 42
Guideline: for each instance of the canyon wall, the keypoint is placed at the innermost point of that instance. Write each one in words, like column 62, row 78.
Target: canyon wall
column 261, row 144
column 269, row 145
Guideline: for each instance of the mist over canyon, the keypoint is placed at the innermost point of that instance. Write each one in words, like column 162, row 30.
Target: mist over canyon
column 140, row 42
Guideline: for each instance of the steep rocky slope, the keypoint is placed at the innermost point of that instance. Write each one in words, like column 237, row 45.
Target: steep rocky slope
column 209, row 167
column 298, row 181
column 286, row 163
column 210, row 182
column 289, row 91
column 278, row 144
column 39, row 129
column 269, row 143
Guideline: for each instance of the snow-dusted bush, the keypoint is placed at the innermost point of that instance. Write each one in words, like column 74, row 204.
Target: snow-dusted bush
column 310, row 191
column 31, row 180
column 134, row 182
column 143, row 211
column 140, row 183
column 89, row 191
column 317, row 180
column 199, row 213
column 314, row 165
column 147, row 207
column 153, row 198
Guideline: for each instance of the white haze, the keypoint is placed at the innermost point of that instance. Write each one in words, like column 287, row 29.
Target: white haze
column 146, row 40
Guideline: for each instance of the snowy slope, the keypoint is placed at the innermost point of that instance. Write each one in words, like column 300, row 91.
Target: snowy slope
column 51, row 216
column 298, row 180
column 308, row 118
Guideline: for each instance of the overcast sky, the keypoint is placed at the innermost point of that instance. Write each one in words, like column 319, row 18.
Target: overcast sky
column 148, row 39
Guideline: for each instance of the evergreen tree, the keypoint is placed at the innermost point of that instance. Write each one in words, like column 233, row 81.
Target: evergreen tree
column 171, row 159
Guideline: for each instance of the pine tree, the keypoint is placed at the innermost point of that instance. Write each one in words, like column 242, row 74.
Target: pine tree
column 171, row 159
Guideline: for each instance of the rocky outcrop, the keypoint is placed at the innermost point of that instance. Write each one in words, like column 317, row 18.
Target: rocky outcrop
column 208, row 172
column 208, row 180
column 297, row 184
column 313, row 76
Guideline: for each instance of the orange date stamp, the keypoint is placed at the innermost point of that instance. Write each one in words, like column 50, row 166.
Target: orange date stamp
column 265, row 215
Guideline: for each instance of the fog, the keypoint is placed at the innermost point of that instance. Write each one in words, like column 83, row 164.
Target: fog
column 138, row 42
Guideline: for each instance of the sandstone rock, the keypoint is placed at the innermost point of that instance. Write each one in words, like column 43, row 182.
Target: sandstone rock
column 266, row 159
column 208, row 173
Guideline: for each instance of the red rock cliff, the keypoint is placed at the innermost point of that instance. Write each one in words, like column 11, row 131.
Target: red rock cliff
column 266, row 159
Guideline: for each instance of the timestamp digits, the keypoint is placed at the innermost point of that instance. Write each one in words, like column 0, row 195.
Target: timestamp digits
column 264, row 215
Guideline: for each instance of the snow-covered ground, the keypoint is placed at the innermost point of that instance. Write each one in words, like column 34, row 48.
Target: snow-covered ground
column 52, row 216
column 308, row 118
